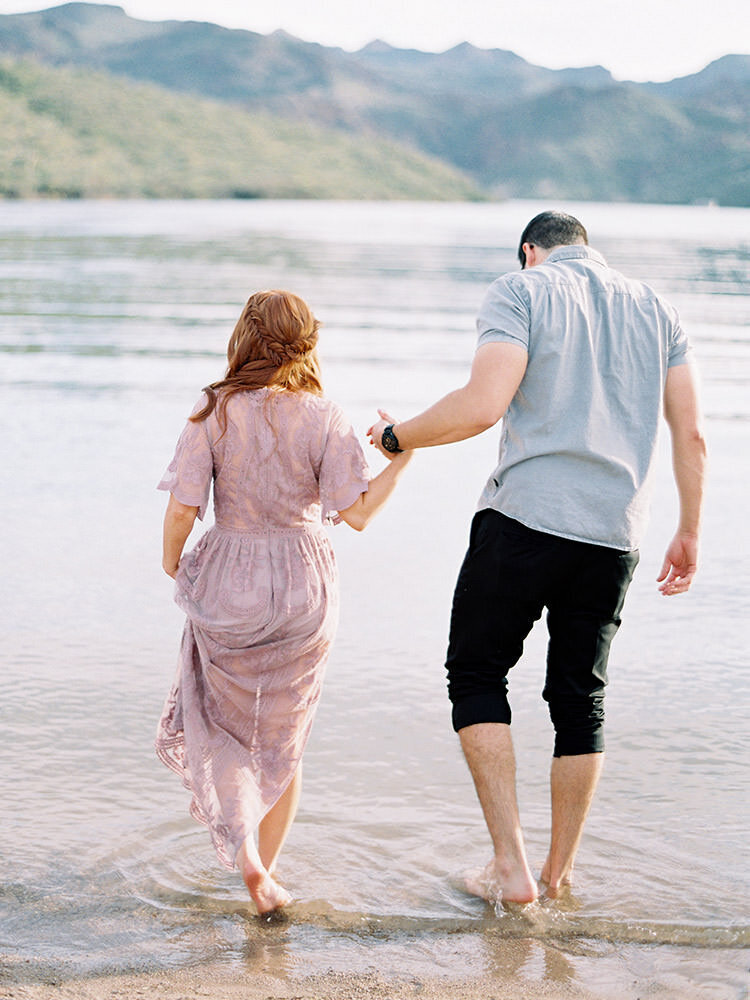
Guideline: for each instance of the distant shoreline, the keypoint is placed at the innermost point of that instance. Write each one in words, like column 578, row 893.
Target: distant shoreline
column 47, row 197
column 485, row 199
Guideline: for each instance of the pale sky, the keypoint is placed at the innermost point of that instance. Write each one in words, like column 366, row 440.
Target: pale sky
column 634, row 39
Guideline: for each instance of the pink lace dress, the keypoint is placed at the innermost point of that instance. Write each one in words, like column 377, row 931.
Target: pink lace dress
column 260, row 592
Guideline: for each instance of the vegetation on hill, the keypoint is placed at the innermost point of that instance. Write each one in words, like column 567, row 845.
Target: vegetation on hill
column 78, row 133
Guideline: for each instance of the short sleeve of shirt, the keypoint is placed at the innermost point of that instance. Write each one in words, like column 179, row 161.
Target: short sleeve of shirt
column 344, row 473
column 190, row 473
column 504, row 314
column 679, row 351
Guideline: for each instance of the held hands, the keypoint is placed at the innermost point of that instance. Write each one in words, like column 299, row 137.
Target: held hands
column 680, row 565
column 375, row 434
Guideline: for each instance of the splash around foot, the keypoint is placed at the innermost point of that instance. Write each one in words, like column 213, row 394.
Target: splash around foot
column 495, row 887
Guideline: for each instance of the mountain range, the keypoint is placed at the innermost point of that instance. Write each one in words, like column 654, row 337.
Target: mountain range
column 474, row 122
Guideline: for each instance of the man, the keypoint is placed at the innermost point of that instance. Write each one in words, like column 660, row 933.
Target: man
column 581, row 363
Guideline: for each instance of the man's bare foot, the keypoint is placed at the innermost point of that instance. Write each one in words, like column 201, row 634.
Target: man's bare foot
column 495, row 885
column 555, row 887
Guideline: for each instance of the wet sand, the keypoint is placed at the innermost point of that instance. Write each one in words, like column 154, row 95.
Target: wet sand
column 217, row 984
column 622, row 973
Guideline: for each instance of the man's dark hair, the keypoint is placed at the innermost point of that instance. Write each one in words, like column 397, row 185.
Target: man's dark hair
column 551, row 229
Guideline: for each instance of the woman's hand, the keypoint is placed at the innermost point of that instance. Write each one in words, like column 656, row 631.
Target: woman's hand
column 170, row 568
column 379, row 489
column 375, row 433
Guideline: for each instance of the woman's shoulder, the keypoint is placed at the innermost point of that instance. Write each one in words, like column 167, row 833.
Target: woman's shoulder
column 313, row 403
column 288, row 406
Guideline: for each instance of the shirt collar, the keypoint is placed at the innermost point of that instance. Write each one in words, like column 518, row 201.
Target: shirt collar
column 577, row 251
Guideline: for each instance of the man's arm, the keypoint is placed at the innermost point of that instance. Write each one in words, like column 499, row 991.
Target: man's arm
column 683, row 415
column 495, row 376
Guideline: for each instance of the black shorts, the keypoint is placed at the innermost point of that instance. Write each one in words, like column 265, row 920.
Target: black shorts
column 510, row 574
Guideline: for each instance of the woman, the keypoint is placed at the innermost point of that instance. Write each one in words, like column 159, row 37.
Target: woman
column 260, row 587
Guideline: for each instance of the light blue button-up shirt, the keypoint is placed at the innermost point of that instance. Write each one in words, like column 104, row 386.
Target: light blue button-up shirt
column 579, row 437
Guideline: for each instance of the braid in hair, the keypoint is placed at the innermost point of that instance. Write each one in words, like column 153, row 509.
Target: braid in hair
column 273, row 343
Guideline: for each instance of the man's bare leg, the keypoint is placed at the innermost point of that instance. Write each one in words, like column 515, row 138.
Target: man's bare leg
column 573, row 781
column 488, row 749
column 277, row 822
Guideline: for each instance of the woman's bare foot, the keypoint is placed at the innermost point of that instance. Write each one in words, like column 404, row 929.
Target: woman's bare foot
column 264, row 890
column 496, row 885
column 266, row 893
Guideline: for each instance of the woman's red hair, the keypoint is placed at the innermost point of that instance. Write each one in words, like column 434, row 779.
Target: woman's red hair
column 273, row 344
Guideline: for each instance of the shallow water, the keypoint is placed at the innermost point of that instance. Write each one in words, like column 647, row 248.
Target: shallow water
column 112, row 317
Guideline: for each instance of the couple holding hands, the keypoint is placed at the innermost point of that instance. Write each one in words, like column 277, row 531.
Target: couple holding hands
column 568, row 351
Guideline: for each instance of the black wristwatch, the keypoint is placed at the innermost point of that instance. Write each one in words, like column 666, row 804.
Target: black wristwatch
column 389, row 440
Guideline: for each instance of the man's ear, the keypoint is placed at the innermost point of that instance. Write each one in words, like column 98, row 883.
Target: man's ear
column 535, row 254
column 530, row 249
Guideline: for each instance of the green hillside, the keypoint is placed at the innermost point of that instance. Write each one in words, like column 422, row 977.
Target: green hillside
column 81, row 133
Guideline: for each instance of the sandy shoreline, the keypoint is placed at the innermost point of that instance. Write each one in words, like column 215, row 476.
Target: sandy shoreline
column 211, row 983
column 517, row 968
column 687, row 974
column 221, row 981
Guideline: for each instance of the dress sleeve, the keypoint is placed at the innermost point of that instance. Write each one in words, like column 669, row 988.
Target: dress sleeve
column 190, row 473
column 344, row 473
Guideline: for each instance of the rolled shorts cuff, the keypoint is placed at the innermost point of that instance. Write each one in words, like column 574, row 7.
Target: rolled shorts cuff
column 578, row 744
column 478, row 708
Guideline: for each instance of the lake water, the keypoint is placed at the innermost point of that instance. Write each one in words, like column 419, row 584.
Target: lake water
column 113, row 316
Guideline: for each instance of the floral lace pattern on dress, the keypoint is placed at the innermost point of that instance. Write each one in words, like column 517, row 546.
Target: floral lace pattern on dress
column 260, row 594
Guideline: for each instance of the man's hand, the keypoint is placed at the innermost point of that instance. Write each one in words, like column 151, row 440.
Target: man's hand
column 683, row 414
column 375, row 433
column 680, row 564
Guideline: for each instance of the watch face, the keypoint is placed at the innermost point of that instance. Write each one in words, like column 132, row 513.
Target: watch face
column 389, row 439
